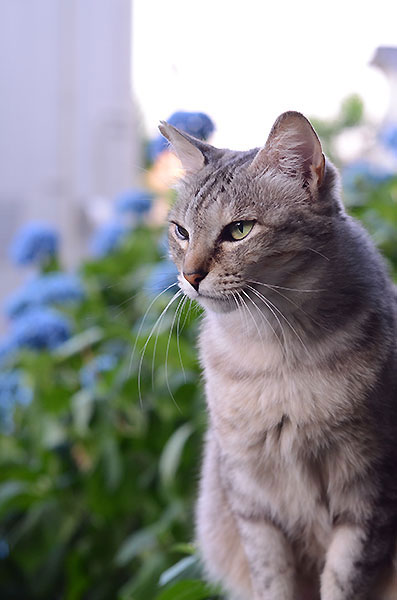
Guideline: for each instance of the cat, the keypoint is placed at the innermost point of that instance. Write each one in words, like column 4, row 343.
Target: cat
column 298, row 492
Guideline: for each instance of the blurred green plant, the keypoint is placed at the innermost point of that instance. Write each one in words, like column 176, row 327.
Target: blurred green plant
column 375, row 204
column 351, row 114
column 101, row 427
column 96, row 479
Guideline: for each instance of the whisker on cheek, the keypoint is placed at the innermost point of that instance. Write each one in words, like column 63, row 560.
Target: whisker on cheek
column 143, row 322
column 167, row 352
column 157, row 323
column 178, row 331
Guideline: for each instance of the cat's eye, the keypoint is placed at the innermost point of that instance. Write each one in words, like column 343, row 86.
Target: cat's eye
column 238, row 230
column 181, row 232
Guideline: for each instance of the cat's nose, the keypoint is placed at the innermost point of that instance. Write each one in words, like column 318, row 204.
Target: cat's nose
column 195, row 278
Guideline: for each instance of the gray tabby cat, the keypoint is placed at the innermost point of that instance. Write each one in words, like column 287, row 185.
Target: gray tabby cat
column 298, row 495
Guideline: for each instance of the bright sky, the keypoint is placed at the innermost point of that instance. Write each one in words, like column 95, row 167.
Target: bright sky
column 244, row 62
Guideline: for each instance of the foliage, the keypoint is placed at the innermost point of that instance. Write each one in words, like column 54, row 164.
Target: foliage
column 101, row 429
column 98, row 474
column 351, row 114
column 48, row 289
column 375, row 204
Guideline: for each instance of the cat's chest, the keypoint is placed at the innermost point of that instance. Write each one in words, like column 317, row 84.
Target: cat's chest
column 266, row 418
column 258, row 382
column 253, row 394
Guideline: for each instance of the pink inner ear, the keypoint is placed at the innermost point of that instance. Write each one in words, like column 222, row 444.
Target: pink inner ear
column 319, row 170
column 293, row 148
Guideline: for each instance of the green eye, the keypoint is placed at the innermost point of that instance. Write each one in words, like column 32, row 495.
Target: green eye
column 181, row 232
column 238, row 230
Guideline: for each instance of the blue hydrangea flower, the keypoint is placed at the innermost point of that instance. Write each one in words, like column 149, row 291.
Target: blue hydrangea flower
column 100, row 364
column 156, row 147
column 197, row 124
column 51, row 288
column 7, row 349
column 363, row 171
column 388, row 136
column 34, row 243
column 13, row 391
column 108, row 238
column 163, row 275
column 136, row 202
column 40, row 328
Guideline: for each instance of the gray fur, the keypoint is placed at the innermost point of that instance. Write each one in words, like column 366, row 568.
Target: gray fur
column 298, row 494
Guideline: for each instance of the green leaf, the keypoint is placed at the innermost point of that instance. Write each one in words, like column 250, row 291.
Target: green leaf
column 172, row 452
column 186, row 568
column 351, row 112
column 135, row 544
column 143, row 584
column 52, row 432
column 187, row 590
column 184, row 548
column 79, row 342
column 11, row 489
column 146, row 539
column 82, row 405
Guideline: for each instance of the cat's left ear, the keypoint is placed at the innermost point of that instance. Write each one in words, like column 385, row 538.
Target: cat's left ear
column 193, row 153
column 294, row 149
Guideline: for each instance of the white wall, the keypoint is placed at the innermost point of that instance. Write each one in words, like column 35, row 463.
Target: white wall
column 67, row 131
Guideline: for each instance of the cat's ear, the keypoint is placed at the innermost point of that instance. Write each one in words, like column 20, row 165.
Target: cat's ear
column 193, row 153
column 293, row 148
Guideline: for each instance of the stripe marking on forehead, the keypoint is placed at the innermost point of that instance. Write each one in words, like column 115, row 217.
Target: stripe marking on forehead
column 219, row 177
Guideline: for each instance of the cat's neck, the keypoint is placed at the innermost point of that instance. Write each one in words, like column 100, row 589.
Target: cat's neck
column 250, row 334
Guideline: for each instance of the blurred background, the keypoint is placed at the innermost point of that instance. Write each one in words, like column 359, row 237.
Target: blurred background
column 101, row 407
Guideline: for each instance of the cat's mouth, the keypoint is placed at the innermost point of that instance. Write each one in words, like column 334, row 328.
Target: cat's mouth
column 224, row 303
column 218, row 302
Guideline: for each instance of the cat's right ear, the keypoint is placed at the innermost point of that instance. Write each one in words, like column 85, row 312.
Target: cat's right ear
column 293, row 148
column 193, row 153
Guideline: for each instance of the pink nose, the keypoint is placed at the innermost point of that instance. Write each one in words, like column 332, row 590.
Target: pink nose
column 194, row 278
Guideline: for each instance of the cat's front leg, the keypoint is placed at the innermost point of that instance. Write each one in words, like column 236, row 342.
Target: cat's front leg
column 270, row 559
column 353, row 562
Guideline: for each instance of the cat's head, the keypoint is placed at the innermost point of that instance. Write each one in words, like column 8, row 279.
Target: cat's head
column 261, row 215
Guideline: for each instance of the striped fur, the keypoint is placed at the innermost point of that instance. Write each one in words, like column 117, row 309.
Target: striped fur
column 298, row 494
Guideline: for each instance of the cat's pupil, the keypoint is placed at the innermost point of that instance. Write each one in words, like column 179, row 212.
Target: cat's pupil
column 240, row 226
column 181, row 232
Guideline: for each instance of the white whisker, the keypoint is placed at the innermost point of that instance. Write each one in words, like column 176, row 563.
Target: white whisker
column 187, row 313
column 178, row 331
column 122, row 304
column 240, row 312
column 252, row 317
column 266, row 320
column 266, row 301
column 319, row 253
column 276, row 291
column 175, row 296
column 166, row 355
column 262, row 298
column 143, row 322
column 280, row 287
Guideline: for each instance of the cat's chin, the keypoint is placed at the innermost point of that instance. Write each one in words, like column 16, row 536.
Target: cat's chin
column 217, row 305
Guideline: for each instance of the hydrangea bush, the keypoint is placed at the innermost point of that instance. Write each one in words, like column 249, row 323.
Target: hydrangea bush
column 35, row 243
column 94, row 434
column 100, row 426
